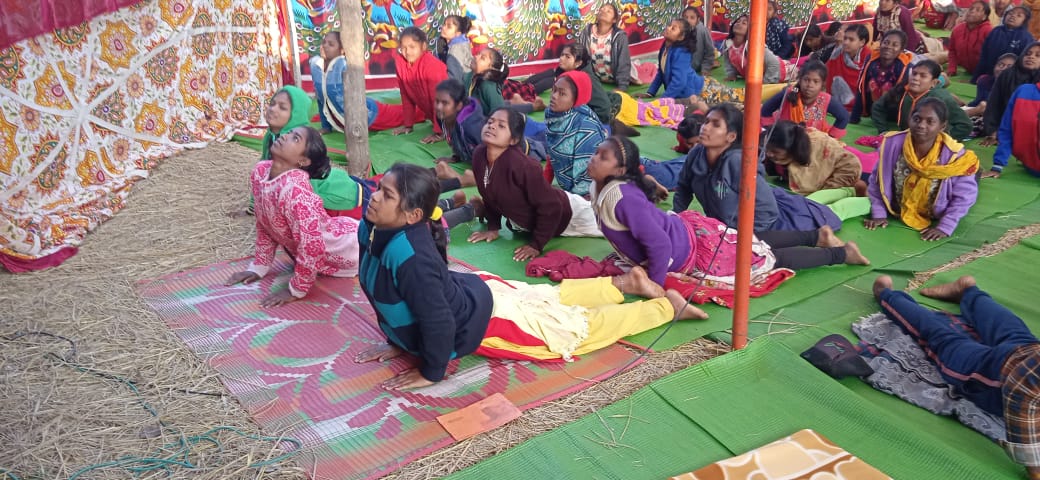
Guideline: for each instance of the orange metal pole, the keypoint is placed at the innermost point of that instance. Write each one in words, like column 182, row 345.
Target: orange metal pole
column 749, row 169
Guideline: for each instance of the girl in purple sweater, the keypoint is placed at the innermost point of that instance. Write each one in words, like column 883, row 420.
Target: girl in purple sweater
column 686, row 242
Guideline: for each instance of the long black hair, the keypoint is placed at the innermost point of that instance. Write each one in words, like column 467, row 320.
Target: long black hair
column 516, row 121
column 454, row 88
column 934, row 68
column 734, row 120
column 317, row 153
column 627, row 154
column 812, row 66
column 582, row 57
column 937, row 106
column 419, row 188
column 497, row 73
column 791, row 138
column 729, row 33
column 689, row 40
column 463, row 24
column 418, row 35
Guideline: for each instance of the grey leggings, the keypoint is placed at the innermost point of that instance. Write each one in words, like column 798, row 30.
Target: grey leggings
column 797, row 249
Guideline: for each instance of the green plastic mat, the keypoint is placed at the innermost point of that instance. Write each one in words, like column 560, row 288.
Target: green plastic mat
column 741, row 401
column 1004, row 203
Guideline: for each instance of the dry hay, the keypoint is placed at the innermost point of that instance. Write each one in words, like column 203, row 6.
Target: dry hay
column 554, row 414
column 57, row 420
column 1006, row 241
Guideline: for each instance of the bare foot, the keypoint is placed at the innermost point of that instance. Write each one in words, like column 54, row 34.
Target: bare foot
column 458, row 199
column 381, row 353
column 882, row 283
column 637, row 282
column 861, row 188
column 660, row 192
column 950, row 292
column 478, row 206
column 467, row 179
column 446, row 172
column 853, row 255
column 684, row 310
column 826, row 238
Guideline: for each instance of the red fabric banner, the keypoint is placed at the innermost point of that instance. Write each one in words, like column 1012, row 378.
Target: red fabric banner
column 21, row 19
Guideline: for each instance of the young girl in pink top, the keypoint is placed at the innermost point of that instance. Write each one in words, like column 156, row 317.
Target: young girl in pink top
column 290, row 215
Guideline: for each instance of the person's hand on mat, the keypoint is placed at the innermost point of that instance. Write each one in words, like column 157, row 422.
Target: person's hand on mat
column 642, row 95
column 410, row 378
column 872, row 223
column 991, row 174
column 380, row 353
column 488, row 236
column 402, row 130
column 988, row 141
column 242, row 277
column 275, row 299
column 932, row 234
column 731, row 78
column 524, row 253
column 432, row 138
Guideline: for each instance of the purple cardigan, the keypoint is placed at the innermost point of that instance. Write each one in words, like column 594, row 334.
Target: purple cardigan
column 955, row 197
column 641, row 232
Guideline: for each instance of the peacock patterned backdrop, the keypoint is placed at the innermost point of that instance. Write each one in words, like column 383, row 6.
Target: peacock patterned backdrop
column 529, row 30
column 86, row 111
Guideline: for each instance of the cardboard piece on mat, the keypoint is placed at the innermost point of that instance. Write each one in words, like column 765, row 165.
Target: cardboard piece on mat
column 487, row 414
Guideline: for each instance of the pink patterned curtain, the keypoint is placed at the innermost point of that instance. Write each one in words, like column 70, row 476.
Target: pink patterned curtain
column 21, row 19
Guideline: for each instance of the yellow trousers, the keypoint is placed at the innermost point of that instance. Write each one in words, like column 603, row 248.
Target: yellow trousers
column 607, row 318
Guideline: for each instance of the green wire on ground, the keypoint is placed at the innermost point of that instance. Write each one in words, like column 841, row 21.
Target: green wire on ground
column 182, row 448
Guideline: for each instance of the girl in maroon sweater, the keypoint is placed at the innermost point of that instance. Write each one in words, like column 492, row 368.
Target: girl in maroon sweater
column 512, row 186
column 418, row 73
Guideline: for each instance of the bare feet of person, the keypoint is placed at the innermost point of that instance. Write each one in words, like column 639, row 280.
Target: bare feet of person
column 467, row 179
column 478, row 206
column 446, row 172
column 950, row 292
column 882, row 283
column 660, row 192
column 861, row 188
column 853, row 255
column 458, row 199
column 636, row 282
column 381, row 353
column 825, row 237
column 683, row 309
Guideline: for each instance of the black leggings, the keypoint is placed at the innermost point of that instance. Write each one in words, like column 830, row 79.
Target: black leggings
column 543, row 80
column 797, row 249
column 453, row 216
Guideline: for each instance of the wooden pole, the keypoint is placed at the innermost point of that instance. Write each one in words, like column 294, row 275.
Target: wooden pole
column 355, row 114
column 749, row 169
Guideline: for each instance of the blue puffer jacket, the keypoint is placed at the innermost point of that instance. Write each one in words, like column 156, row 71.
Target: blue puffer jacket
column 680, row 80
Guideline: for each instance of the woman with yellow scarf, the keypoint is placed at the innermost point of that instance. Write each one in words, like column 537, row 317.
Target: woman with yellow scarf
column 923, row 176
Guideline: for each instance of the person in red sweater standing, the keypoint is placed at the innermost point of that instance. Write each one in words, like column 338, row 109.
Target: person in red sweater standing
column 967, row 38
column 418, row 73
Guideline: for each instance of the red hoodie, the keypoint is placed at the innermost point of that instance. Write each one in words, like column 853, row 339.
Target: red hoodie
column 966, row 46
column 838, row 67
column 418, row 83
